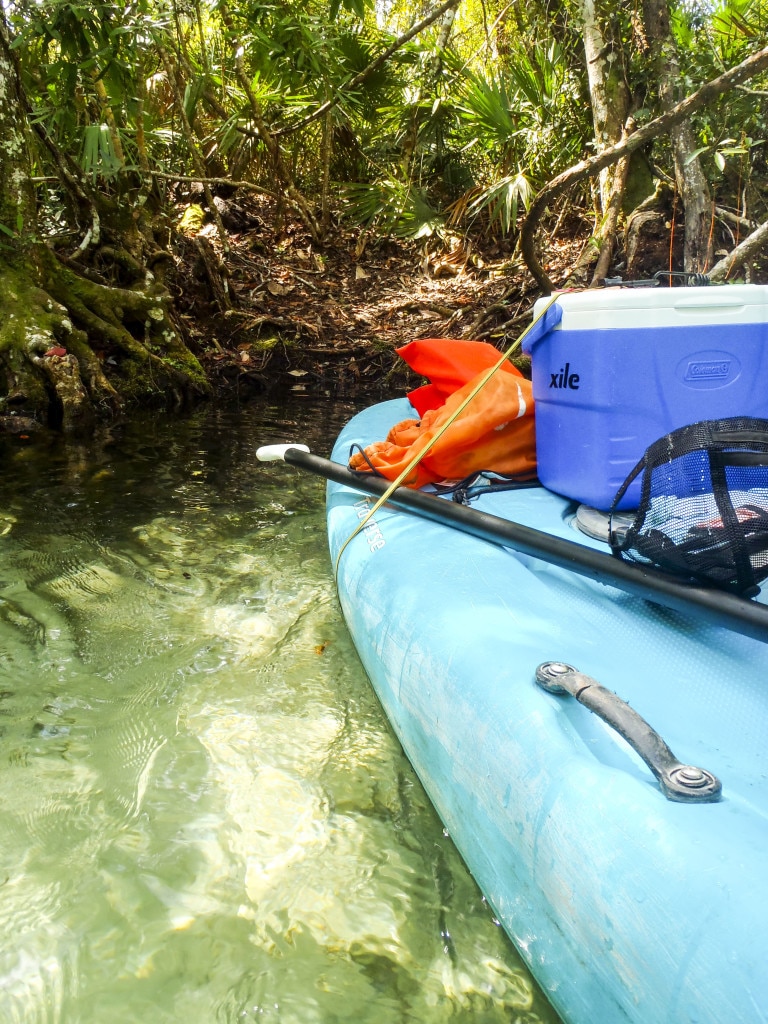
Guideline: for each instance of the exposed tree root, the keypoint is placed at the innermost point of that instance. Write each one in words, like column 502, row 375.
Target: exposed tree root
column 73, row 349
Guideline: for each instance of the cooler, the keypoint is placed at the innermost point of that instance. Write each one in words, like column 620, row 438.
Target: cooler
column 625, row 366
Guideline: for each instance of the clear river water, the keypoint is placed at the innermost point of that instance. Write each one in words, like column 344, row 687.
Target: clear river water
column 204, row 816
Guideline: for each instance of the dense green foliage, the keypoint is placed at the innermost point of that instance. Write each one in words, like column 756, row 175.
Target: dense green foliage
column 457, row 128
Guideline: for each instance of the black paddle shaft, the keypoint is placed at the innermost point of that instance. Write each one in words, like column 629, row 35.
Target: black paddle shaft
column 716, row 607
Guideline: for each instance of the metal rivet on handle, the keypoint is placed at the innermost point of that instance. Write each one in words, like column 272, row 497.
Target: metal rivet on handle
column 691, row 777
column 547, row 675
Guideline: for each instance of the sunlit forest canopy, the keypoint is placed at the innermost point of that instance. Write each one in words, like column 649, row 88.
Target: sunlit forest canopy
column 484, row 104
column 434, row 122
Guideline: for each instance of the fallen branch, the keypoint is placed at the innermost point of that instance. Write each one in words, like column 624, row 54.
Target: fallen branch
column 196, row 179
column 735, row 218
column 743, row 252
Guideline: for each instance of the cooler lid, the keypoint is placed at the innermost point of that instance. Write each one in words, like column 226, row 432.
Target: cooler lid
column 619, row 308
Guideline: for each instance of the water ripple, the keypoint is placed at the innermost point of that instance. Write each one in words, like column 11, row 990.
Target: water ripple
column 205, row 816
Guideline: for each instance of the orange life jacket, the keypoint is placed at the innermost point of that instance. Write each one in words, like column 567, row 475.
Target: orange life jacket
column 495, row 431
column 448, row 363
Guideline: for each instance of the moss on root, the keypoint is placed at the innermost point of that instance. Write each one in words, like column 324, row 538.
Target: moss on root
column 31, row 324
column 73, row 349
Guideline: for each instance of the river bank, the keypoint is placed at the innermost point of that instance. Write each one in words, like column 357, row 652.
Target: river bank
column 330, row 318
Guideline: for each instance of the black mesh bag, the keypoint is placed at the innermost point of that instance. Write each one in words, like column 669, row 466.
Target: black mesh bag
column 703, row 506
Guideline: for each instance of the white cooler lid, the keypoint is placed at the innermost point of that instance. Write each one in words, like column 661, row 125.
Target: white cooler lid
column 622, row 308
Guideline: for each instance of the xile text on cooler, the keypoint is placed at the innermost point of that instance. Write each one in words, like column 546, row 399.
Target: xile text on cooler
column 565, row 379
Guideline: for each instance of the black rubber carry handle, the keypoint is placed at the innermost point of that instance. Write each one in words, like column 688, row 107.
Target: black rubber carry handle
column 684, row 783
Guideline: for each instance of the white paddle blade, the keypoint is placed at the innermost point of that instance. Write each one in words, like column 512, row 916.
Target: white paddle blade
column 276, row 452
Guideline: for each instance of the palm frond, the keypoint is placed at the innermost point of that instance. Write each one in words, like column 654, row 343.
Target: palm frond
column 499, row 203
column 393, row 207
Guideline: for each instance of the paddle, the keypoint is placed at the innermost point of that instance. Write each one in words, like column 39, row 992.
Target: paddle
column 717, row 607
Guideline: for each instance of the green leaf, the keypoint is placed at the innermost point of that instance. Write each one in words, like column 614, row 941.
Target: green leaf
column 98, row 157
column 192, row 94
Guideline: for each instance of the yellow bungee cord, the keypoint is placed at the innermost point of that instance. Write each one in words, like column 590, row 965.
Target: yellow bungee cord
column 457, row 412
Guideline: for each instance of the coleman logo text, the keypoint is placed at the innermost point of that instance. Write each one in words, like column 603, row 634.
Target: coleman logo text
column 564, row 378
column 711, row 369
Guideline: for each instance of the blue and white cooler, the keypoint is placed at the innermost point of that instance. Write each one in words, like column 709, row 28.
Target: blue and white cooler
column 625, row 366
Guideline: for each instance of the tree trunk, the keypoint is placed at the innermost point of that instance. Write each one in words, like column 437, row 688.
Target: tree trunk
column 17, row 196
column 71, row 347
column 446, row 27
column 608, row 91
column 610, row 101
column 689, row 176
